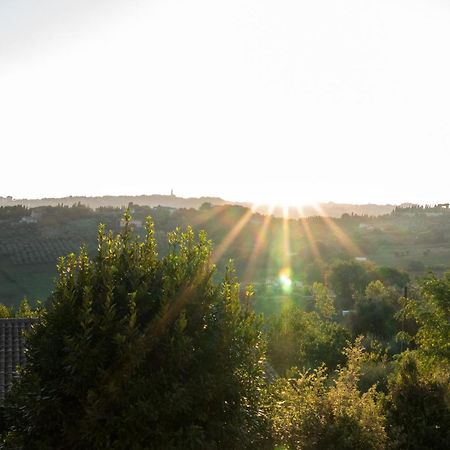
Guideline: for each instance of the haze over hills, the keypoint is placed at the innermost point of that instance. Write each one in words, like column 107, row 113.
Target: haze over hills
column 116, row 201
column 330, row 209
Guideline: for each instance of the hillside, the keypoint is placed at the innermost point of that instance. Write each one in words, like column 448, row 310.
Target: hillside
column 32, row 240
column 116, row 201
column 329, row 209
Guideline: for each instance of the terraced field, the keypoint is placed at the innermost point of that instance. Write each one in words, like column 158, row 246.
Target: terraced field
column 29, row 254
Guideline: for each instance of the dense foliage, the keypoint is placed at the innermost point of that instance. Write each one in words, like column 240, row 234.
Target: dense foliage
column 419, row 394
column 312, row 410
column 137, row 352
column 140, row 350
column 305, row 340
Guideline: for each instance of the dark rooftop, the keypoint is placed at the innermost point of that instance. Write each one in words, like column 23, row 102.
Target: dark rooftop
column 12, row 349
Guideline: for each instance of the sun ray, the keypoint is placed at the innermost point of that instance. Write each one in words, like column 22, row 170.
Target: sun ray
column 231, row 236
column 341, row 236
column 260, row 239
column 207, row 215
column 309, row 235
column 286, row 238
column 285, row 273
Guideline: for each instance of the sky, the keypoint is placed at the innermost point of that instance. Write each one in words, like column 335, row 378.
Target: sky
column 289, row 101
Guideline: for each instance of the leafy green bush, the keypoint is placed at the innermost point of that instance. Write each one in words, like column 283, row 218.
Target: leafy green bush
column 140, row 352
column 419, row 390
column 313, row 411
column 305, row 340
column 418, row 407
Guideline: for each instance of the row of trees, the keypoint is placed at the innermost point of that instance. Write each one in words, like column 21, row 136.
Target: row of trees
column 138, row 351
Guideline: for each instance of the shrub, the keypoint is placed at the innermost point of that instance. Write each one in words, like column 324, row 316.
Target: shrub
column 140, row 352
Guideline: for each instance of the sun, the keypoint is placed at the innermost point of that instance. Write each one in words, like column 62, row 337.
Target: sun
column 285, row 201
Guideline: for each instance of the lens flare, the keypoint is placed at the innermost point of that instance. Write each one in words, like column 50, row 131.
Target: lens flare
column 231, row 236
column 285, row 280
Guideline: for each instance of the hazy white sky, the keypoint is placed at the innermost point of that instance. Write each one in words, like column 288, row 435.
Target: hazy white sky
column 246, row 99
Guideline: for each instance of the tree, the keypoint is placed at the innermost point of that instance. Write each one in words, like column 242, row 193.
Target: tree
column 140, row 352
column 348, row 279
column 418, row 407
column 302, row 339
column 323, row 301
column 312, row 411
column 393, row 277
column 375, row 312
column 5, row 312
column 419, row 399
column 26, row 311
column 431, row 312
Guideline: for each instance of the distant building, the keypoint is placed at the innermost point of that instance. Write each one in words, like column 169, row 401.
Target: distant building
column 12, row 350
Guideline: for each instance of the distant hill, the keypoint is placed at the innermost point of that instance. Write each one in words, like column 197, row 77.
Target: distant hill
column 324, row 209
column 119, row 201
column 331, row 209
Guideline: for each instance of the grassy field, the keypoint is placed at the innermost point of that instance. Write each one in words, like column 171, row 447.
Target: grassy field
column 29, row 254
column 32, row 280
